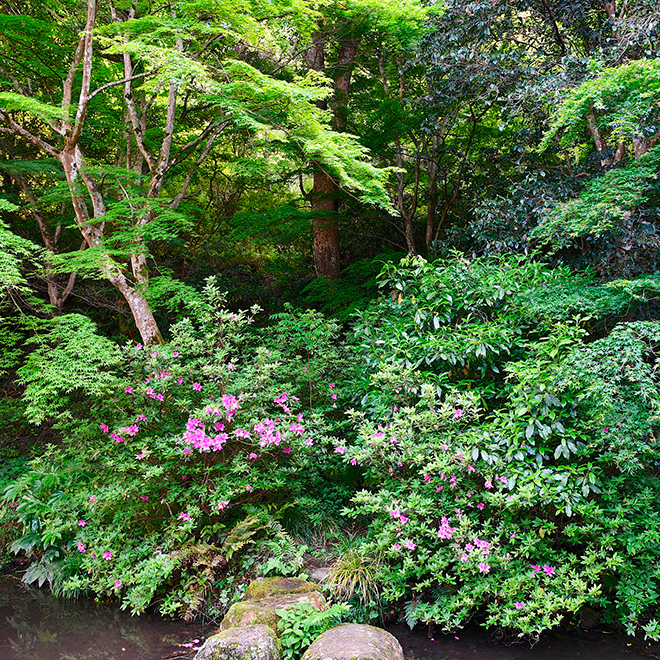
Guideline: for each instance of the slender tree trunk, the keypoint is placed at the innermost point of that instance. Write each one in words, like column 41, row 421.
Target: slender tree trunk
column 325, row 230
column 325, row 227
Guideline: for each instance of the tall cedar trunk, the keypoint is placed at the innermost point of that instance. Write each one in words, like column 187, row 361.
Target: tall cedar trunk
column 325, row 228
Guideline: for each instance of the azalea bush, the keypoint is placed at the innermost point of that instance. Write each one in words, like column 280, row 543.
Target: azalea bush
column 177, row 479
column 508, row 444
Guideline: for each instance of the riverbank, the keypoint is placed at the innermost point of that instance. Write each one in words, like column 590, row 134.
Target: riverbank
column 36, row 626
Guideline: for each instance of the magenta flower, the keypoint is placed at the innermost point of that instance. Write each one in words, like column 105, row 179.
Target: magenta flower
column 548, row 570
column 353, row 461
column 481, row 506
column 223, row 504
column 139, row 347
column 458, row 413
column 287, row 450
column 92, row 498
column 519, row 606
column 80, row 546
column 535, row 567
column 464, row 557
column 397, row 546
column 175, row 354
column 82, row 523
column 144, row 498
column 104, row 428
column 410, row 545
column 128, row 389
column 484, row 568
column 340, row 450
column 107, row 555
column 179, row 381
column 395, row 513
column 488, row 484
column 403, row 520
column 197, row 387
column 252, row 456
column 184, row 516
column 118, row 584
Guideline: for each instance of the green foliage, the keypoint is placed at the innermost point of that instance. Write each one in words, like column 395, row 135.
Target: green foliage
column 497, row 429
column 302, row 624
column 625, row 97
column 70, row 362
column 606, row 202
column 202, row 445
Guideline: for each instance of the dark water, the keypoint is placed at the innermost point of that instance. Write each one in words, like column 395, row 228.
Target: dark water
column 35, row 626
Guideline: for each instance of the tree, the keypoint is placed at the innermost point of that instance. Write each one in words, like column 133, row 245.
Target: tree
column 165, row 86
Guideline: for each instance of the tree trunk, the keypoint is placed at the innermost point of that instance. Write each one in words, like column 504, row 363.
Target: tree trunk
column 325, row 227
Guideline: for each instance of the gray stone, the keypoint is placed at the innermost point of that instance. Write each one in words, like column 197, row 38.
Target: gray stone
column 319, row 574
column 252, row 612
column 248, row 643
column 352, row 641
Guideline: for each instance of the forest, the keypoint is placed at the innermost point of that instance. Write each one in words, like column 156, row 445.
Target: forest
column 370, row 284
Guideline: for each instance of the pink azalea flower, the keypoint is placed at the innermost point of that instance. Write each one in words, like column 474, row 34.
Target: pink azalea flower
column 397, row 546
column 92, row 498
column 549, row 570
column 332, row 385
column 187, row 450
column 80, row 546
column 184, row 516
column 197, row 387
column 248, row 488
column 464, row 557
column 484, row 568
column 139, row 347
column 92, row 555
column 519, row 606
column 458, row 413
column 104, row 428
column 144, row 498
column 410, row 545
column 82, row 523
column 287, row 450
column 333, row 396
column 128, row 389
column 488, row 484
column 252, row 456
column 353, row 461
column 403, row 520
column 175, row 354
column 223, row 504
column 107, row 556
column 395, row 513
column 118, row 584
column 340, row 450
column 535, row 567
column 179, row 380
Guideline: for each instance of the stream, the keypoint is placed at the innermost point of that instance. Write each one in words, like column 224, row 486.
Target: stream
column 36, row 626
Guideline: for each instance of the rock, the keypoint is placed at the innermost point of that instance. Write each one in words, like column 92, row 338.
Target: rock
column 248, row 643
column 253, row 612
column 588, row 618
column 352, row 641
column 277, row 586
column 319, row 574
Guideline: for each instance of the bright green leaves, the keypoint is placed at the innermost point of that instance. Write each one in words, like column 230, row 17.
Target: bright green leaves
column 624, row 100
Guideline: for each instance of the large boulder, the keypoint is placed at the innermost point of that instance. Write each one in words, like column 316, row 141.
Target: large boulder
column 253, row 612
column 248, row 643
column 278, row 586
column 352, row 641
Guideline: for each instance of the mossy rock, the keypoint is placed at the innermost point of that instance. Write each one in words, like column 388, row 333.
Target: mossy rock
column 278, row 586
column 352, row 641
column 254, row 612
column 248, row 643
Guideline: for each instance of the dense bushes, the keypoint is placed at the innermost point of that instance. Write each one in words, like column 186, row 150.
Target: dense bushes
column 509, row 447
column 500, row 453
